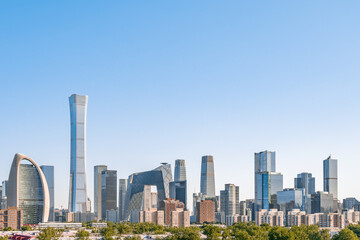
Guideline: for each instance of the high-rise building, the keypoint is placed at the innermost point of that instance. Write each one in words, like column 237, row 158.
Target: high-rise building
column 305, row 181
column 322, row 202
column 349, row 203
column 122, row 194
column 267, row 181
column 229, row 200
column 97, row 190
column 159, row 177
column 331, row 176
column 108, row 192
column 207, row 181
column 178, row 191
column 290, row 199
column 28, row 190
column 205, row 211
column 49, row 175
column 4, row 194
column 168, row 206
column 78, row 198
column 11, row 217
column 180, row 170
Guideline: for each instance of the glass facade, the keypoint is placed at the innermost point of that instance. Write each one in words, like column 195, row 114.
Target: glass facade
column 322, row 202
column 97, row 189
column 122, row 195
column 159, row 177
column 229, row 200
column 108, row 191
column 305, row 181
column 178, row 191
column 31, row 195
column 180, row 170
column 207, row 181
column 331, row 176
column 49, row 176
column 78, row 191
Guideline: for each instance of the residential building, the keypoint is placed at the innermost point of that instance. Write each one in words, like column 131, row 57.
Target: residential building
column 205, row 211
column 273, row 217
column 168, row 206
column 152, row 216
column 180, row 218
column 11, row 217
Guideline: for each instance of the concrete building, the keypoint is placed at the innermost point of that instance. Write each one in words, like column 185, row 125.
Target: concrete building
column 154, row 200
column 207, row 181
column 97, row 190
column 351, row 216
column 267, row 181
column 108, row 192
column 159, row 177
column 122, row 195
column 205, row 211
column 28, row 190
column 295, row 217
column 180, row 218
column 168, row 206
column 78, row 198
column 197, row 198
column 330, row 167
column 229, row 200
column 273, row 217
column 152, row 216
column 49, row 175
column 11, row 217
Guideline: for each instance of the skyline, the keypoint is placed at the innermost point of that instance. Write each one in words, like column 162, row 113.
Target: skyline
column 171, row 81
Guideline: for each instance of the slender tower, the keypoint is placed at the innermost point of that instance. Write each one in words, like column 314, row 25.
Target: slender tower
column 78, row 193
column 330, row 167
column 97, row 189
column 180, row 170
column 207, row 181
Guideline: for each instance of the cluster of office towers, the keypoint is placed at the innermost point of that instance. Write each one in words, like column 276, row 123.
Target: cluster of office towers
column 31, row 187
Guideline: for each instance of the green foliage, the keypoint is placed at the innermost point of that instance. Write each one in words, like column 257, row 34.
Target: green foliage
column 345, row 234
column 109, row 232
column 8, row 229
column 133, row 238
column 4, row 237
column 280, row 233
column 124, row 228
column 355, row 229
column 49, row 234
column 26, row 228
column 212, row 232
column 83, row 235
column 226, row 234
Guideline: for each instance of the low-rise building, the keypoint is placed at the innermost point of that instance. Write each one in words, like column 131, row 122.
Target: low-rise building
column 11, row 217
column 152, row 215
column 295, row 217
column 273, row 217
column 180, row 218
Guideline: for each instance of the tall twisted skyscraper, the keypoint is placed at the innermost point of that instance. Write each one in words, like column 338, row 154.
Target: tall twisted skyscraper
column 207, row 181
column 78, row 199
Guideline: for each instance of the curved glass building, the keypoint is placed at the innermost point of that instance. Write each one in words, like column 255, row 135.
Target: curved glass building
column 28, row 190
column 159, row 177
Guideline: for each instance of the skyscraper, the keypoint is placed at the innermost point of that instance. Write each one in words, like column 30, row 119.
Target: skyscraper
column 108, row 191
column 229, row 200
column 207, row 181
column 122, row 194
column 97, row 189
column 28, row 190
column 305, row 181
column 331, row 176
column 78, row 199
column 267, row 181
column 49, row 175
column 180, row 170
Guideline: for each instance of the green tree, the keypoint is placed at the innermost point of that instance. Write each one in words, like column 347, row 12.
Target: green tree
column 83, row 235
column 124, row 228
column 26, row 228
column 133, row 238
column 212, row 232
column 109, row 232
column 4, row 237
column 49, row 234
column 345, row 234
column 8, row 229
column 191, row 233
column 242, row 234
column 226, row 233
column 280, row 233
column 355, row 228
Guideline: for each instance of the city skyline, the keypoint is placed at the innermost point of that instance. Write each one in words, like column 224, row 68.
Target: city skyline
column 220, row 79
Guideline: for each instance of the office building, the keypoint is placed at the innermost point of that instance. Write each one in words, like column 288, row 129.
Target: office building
column 229, row 200
column 122, row 194
column 11, row 218
column 292, row 198
column 180, row 170
column 322, row 202
column 28, row 190
column 78, row 198
column 267, row 181
column 330, row 167
column 205, row 211
column 97, row 190
column 159, row 177
column 349, row 203
column 4, row 194
column 108, row 192
column 305, row 181
column 49, row 175
column 207, row 181
column 178, row 191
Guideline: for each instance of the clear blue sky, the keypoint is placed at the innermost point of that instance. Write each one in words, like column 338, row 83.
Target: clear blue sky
column 182, row 79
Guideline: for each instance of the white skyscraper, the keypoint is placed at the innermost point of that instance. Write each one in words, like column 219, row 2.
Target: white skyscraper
column 78, row 200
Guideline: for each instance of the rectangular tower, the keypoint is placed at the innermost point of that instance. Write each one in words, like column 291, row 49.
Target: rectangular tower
column 108, row 192
column 97, row 189
column 331, row 176
column 305, row 181
column 180, row 170
column 49, row 176
column 229, row 200
column 78, row 199
column 122, row 194
column 207, row 181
